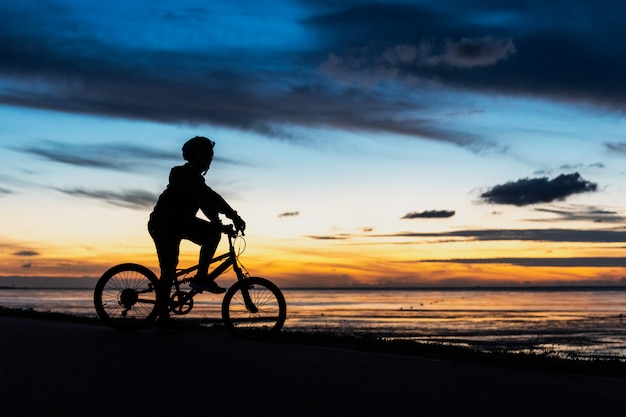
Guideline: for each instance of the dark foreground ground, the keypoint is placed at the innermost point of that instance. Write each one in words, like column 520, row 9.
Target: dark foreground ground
column 50, row 368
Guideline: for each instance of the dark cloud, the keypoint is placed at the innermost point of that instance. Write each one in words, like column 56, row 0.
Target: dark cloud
column 597, row 262
column 108, row 156
column 136, row 199
column 477, row 52
column 53, row 60
column 354, row 63
column 616, row 235
column 532, row 47
column 4, row 191
column 429, row 214
column 188, row 87
column 529, row 191
column 586, row 214
column 289, row 214
column 26, row 253
column 318, row 237
column 608, row 235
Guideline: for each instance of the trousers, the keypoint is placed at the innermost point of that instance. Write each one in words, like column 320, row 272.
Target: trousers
column 167, row 236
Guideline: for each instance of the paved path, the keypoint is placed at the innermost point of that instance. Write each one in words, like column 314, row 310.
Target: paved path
column 60, row 369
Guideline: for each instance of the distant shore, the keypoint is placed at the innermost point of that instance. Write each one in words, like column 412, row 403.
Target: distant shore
column 37, row 283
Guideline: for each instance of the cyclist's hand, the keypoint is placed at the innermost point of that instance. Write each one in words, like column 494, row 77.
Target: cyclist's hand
column 240, row 225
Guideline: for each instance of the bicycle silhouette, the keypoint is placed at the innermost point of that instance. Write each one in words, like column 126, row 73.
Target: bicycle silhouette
column 125, row 296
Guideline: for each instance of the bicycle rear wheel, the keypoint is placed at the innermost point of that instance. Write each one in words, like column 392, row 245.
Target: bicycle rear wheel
column 125, row 297
column 254, row 308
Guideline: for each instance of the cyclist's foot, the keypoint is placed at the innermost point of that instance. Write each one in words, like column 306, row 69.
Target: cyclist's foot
column 206, row 285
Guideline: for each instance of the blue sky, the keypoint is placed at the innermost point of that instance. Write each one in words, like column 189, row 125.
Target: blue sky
column 395, row 143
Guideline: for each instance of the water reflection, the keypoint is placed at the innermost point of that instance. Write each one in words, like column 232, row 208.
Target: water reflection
column 579, row 323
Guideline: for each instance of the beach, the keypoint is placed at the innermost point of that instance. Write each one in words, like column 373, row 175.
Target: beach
column 68, row 369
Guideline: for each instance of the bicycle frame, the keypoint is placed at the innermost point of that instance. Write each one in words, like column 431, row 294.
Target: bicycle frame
column 183, row 298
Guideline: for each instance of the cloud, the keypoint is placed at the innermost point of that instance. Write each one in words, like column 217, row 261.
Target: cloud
column 606, row 235
column 195, row 90
column 115, row 156
column 289, row 214
column 616, row 147
column 518, row 48
column 529, row 191
column 593, row 214
column 429, row 214
column 407, row 59
column 317, row 237
column 477, row 52
column 26, row 253
column 135, row 199
column 4, row 191
column 597, row 262
column 64, row 58
column 464, row 53
column 613, row 235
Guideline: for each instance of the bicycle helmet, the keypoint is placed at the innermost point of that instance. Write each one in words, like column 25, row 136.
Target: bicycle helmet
column 197, row 145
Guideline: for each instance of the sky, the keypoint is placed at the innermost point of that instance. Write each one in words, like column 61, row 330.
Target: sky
column 391, row 143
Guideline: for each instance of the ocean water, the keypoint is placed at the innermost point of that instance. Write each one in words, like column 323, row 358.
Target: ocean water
column 569, row 322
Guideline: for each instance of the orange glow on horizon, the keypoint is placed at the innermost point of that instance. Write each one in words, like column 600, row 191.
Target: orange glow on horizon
column 318, row 263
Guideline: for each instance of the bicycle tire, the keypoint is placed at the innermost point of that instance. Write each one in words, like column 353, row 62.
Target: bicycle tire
column 269, row 301
column 125, row 297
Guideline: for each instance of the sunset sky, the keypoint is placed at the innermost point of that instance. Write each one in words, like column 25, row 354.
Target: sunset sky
column 474, row 142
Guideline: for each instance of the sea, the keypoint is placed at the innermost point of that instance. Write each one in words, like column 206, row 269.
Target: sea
column 573, row 322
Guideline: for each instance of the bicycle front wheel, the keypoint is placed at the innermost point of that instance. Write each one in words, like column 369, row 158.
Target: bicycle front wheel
column 125, row 297
column 254, row 308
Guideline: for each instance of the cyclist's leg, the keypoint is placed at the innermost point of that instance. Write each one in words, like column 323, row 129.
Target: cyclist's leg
column 207, row 235
column 168, row 247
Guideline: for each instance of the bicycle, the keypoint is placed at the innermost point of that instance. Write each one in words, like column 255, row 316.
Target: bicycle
column 125, row 296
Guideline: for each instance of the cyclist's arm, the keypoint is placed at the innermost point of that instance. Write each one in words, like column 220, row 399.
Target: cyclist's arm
column 213, row 203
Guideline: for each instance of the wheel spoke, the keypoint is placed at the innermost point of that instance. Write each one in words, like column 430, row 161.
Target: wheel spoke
column 125, row 296
column 269, row 304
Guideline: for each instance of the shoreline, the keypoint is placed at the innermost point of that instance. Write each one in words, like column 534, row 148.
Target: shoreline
column 513, row 288
column 602, row 367
column 53, row 367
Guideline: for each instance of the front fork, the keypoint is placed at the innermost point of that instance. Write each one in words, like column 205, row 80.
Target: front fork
column 245, row 286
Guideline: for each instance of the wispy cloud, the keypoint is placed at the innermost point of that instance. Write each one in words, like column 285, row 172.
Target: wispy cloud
column 612, row 235
column 135, row 199
column 616, row 147
column 597, row 262
column 374, row 64
column 26, row 253
column 113, row 156
column 577, row 213
column 429, row 214
column 289, row 214
column 529, row 191
column 328, row 237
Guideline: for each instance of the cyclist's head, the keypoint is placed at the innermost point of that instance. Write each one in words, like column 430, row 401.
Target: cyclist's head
column 198, row 147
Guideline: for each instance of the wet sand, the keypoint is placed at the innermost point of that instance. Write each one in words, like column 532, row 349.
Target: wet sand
column 52, row 368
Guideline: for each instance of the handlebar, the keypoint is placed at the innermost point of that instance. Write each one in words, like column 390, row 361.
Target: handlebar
column 231, row 231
